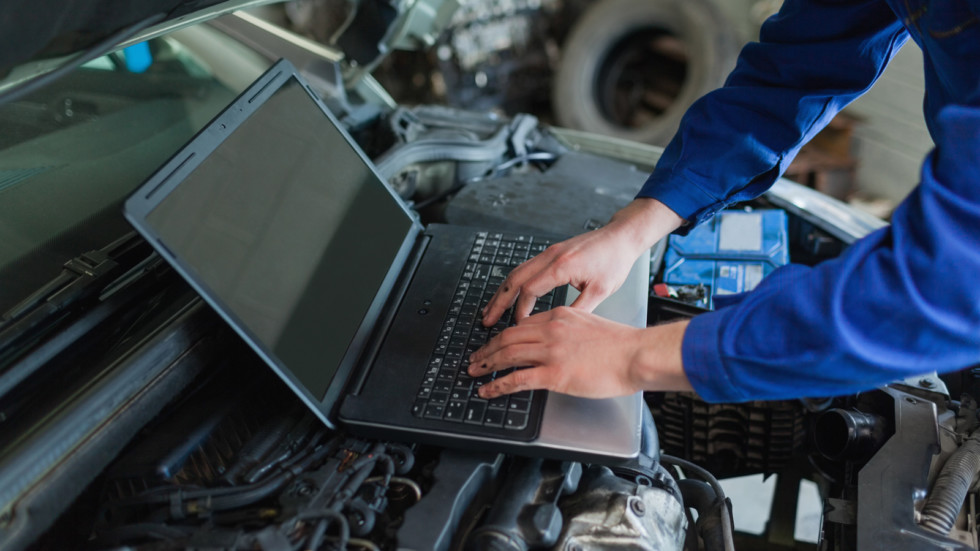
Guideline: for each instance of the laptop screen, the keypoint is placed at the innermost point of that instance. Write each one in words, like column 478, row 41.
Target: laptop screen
column 290, row 229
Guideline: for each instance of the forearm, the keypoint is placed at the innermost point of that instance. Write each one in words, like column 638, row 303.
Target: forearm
column 901, row 302
column 812, row 59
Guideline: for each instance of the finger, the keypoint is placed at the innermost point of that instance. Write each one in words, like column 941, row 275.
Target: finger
column 524, row 379
column 505, row 295
column 535, row 288
column 520, row 355
column 539, row 318
column 592, row 295
column 510, row 337
column 515, row 284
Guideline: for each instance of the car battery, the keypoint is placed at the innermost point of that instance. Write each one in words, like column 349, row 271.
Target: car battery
column 731, row 253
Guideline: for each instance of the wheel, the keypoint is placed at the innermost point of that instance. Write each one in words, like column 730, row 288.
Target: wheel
column 630, row 68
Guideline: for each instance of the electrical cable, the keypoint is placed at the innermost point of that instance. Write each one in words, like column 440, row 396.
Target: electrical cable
column 100, row 48
column 727, row 528
column 327, row 515
column 702, row 473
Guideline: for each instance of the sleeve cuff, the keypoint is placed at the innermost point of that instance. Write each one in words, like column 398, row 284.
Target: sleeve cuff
column 684, row 197
column 702, row 359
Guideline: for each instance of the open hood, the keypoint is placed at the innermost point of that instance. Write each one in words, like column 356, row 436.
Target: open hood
column 32, row 30
column 36, row 36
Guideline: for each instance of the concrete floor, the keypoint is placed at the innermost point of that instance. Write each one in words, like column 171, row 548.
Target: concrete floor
column 752, row 498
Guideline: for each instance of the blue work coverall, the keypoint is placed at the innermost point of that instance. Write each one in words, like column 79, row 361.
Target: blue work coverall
column 902, row 301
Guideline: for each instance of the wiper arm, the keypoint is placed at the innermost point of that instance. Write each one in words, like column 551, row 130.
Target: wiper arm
column 84, row 283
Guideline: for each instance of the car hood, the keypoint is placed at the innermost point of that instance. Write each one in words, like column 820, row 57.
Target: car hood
column 32, row 30
column 37, row 35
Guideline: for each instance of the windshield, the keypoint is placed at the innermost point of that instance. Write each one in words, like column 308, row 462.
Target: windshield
column 72, row 151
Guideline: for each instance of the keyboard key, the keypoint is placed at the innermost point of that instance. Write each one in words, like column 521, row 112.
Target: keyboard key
column 515, row 420
column 446, row 374
column 418, row 408
column 434, row 411
column 499, row 402
column 475, row 410
column 494, row 417
column 519, row 404
column 454, row 411
column 424, row 392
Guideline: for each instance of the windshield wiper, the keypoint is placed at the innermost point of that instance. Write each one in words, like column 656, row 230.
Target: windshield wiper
column 81, row 295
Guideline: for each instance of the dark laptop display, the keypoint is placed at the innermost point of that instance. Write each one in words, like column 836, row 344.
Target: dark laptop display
column 296, row 260
column 282, row 224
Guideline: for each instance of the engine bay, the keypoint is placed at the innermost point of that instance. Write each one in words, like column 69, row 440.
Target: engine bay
column 233, row 461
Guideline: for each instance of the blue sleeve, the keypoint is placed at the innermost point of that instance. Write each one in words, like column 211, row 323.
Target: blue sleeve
column 903, row 301
column 813, row 58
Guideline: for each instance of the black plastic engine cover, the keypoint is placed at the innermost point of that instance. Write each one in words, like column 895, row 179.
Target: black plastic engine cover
column 551, row 201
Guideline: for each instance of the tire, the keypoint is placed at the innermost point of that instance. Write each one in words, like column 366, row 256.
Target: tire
column 631, row 68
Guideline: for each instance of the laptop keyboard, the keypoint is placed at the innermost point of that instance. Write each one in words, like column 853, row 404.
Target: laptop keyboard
column 447, row 392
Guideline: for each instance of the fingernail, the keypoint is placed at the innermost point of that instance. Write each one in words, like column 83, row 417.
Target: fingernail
column 484, row 392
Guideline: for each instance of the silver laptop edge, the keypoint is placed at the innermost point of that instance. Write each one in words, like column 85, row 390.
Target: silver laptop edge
column 602, row 427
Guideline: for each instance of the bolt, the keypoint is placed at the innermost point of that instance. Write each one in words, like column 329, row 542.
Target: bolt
column 637, row 506
column 926, row 383
column 305, row 489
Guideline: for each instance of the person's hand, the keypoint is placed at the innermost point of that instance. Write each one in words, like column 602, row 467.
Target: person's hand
column 596, row 263
column 575, row 352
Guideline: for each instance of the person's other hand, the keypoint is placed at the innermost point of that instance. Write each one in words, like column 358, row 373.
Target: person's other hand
column 575, row 352
column 596, row 263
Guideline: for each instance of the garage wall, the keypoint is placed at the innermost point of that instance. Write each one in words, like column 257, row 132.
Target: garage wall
column 891, row 141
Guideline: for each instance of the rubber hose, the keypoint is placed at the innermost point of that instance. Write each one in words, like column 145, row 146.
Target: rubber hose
column 711, row 511
column 954, row 481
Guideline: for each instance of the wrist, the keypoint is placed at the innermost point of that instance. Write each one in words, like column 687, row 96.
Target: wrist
column 657, row 360
column 643, row 222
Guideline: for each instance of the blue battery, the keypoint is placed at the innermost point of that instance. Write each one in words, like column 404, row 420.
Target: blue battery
column 729, row 254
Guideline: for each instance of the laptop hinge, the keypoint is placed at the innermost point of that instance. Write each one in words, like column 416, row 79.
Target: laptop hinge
column 374, row 342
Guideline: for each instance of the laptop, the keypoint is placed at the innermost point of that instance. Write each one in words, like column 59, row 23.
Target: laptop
column 282, row 224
